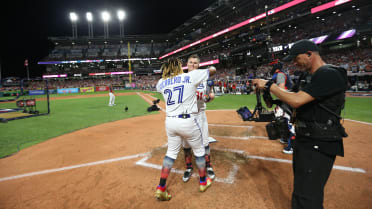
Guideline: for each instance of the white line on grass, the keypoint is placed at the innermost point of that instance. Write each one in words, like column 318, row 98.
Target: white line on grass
column 143, row 97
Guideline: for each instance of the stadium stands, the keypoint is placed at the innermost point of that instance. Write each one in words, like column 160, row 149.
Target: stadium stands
column 243, row 52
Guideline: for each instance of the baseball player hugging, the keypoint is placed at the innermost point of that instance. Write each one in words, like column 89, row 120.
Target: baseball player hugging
column 203, row 95
column 182, row 122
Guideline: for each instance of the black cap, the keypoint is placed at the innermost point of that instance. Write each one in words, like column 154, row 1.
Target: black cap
column 301, row 47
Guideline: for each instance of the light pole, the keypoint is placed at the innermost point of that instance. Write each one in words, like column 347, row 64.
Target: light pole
column 106, row 18
column 121, row 17
column 90, row 25
column 74, row 18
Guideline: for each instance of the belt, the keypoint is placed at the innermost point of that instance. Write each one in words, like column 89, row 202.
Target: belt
column 183, row 116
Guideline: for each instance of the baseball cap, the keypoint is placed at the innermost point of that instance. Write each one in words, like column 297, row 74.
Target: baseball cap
column 301, row 47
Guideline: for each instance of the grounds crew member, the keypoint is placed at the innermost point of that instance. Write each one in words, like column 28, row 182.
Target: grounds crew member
column 319, row 132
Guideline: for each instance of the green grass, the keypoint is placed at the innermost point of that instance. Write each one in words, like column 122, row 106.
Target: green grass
column 69, row 115
column 232, row 102
column 358, row 108
column 66, row 116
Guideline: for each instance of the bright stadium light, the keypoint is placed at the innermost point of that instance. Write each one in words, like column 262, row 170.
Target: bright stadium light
column 73, row 16
column 89, row 17
column 105, row 16
column 121, row 15
column 90, row 24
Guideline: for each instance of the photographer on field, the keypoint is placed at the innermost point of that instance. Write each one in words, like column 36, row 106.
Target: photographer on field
column 319, row 132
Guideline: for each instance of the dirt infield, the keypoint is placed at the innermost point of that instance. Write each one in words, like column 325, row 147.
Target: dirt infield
column 116, row 165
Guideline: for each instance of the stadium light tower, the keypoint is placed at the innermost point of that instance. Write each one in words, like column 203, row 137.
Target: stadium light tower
column 74, row 18
column 90, row 24
column 121, row 17
column 106, row 18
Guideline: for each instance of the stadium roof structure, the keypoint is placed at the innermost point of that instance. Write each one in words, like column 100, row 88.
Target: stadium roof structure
column 222, row 10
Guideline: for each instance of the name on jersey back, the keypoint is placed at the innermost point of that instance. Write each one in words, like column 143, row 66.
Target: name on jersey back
column 174, row 80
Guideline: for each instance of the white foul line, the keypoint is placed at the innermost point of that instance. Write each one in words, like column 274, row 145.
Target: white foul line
column 336, row 167
column 72, row 167
column 147, row 100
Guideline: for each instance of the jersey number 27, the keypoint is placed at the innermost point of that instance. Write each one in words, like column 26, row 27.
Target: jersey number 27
column 170, row 100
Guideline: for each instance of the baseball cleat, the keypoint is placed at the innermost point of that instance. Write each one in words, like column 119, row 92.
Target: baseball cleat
column 210, row 173
column 187, row 175
column 288, row 150
column 204, row 185
column 162, row 194
column 212, row 140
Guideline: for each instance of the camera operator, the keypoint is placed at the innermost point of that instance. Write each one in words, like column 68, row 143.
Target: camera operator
column 319, row 132
column 283, row 81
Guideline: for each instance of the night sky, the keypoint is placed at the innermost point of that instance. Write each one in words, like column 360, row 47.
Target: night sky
column 28, row 23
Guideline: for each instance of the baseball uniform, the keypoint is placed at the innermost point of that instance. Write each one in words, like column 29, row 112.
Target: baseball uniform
column 112, row 97
column 200, row 95
column 182, row 121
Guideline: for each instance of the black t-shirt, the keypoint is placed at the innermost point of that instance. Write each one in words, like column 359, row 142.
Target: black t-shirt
column 328, row 85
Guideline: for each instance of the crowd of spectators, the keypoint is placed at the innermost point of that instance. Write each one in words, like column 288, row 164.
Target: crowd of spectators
column 60, row 83
column 356, row 61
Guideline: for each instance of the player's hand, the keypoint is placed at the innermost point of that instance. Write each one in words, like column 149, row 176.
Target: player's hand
column 211, row 97
column 212, row 70
column 259, row 83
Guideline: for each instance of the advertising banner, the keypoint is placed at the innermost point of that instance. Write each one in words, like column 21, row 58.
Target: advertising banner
column 52, row 91
column 36, row 92
column 67, row 91
column 102, row 88
column 87, row 89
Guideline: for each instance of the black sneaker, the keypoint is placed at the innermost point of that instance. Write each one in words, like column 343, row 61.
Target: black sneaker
column 187, row 175
column 210, row 173
column 288, row 150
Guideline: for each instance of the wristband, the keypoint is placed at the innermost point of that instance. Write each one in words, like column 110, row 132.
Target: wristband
column 268, row 85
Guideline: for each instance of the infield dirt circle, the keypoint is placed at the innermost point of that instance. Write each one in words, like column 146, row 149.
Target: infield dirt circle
column 116, row 165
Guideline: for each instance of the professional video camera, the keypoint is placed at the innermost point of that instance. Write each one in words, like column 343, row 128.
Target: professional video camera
column 277, row 126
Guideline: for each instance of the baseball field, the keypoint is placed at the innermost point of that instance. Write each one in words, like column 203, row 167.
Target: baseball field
column 86, row 154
